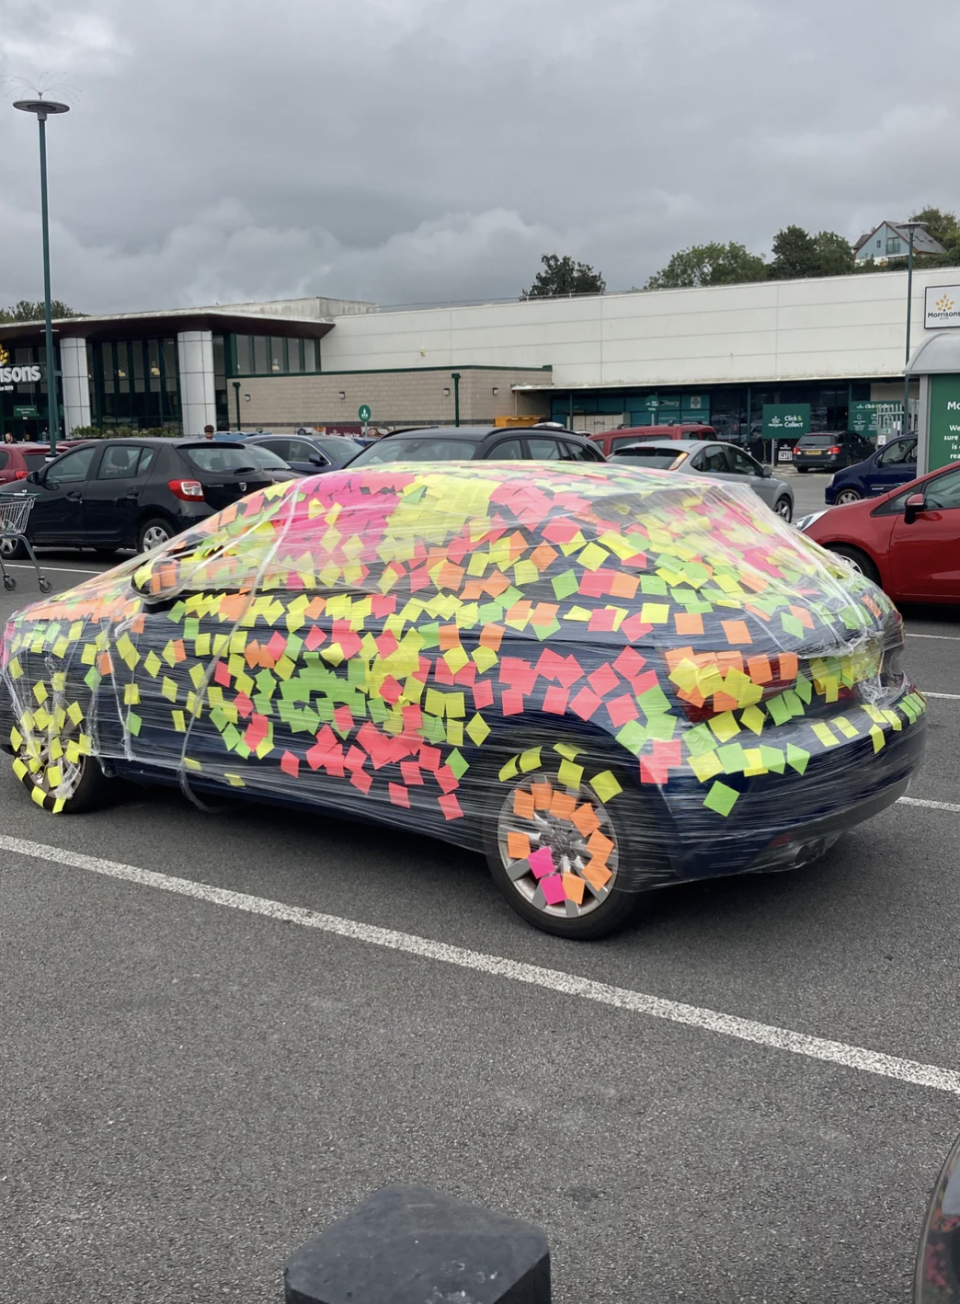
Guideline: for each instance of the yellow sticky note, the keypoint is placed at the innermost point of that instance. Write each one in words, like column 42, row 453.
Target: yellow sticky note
column 530, row 760
column 825, row 734
column 879, row 742
column 655, row 613
column 753, row 718
column 169, row 688
column 605, row 786
column 570, row 774
column 724, row 726
column 706, row 766
column 846, row 728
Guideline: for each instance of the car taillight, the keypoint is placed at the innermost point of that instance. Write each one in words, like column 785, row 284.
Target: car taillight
column 677, row 461
column 796, row 451
column 21, row 475
column 189, row 490
column 834, row 449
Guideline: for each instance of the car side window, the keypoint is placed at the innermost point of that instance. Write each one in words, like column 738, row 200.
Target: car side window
column 741, row 462
column 943, row 493
column 4, row 458
column 904, row 450
column 119, row 462
column 711, row 460
column 279, row 446
column 508, row 450
column 581, row 452
column 544, row 450
column 73, row 466
column 147, row 458
column 300, row 451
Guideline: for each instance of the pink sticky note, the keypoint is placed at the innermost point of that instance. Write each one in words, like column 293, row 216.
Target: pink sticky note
column 541, row 862
column 553, row 890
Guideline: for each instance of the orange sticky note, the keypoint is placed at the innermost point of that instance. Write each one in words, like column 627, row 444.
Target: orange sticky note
column 523, row 804
column 688, row 622
column 586, row 820
column 596, row 873
column 600, row 846
column 518, row 846
column 449, row 637
column 724, row 702
column 542, row 795
column 563, row 805
column 491, row 637
column 789, row 665
column 758, row 668
column 624, row 586
column 574, row 887
column 736, row 631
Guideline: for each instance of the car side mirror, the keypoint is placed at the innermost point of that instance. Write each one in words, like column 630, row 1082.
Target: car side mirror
column 766, row 472
column 912, row 507
column 316, row 459
column 33, row 477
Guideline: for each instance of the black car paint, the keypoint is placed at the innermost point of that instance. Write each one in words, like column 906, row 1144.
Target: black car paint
column 110, row 510
column 853, row 448
column 320, row 458
column 486, row 443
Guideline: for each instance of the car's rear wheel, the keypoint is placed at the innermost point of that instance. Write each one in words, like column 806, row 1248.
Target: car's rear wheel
column 848, row 496
column 54, row 761
column 560, row 845
column 802, row 470
column 783, row 509
column 11, row 549
column 153, row 534
column 857, row 559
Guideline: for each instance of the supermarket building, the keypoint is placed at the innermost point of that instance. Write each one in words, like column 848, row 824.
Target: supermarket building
column 717, row 355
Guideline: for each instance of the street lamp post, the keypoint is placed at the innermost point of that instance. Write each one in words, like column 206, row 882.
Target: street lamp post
column 912, row 227
column 236, row 399
column 455, row 377
column 43, row 109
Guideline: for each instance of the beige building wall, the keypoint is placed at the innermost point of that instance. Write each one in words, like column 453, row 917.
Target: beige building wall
column 396, row 398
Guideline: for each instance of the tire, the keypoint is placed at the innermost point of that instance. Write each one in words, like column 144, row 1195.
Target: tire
column 857, row 559
column 783, row 509
column 802, row 470
column 57, row 768
column 848, row 496
column 106, row 552
column 605, row 905
column 12, row 549
column 153, row 533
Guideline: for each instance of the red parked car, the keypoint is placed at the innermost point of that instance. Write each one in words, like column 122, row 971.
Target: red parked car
column 608, row 439
column 908, row 541
column 17, row 460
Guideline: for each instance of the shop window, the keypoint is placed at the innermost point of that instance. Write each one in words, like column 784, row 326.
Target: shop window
column 244, row 345
column 261, row 355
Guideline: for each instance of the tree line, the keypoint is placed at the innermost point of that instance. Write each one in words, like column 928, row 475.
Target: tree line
column 796, row 254
column 26, row 310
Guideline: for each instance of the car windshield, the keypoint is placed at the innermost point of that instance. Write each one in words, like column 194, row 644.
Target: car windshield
column 338, row 448
column 264, row 457
column 648, row 454
column 817, row 441
column 417, row 450
column 216, row 458
column 34, row 461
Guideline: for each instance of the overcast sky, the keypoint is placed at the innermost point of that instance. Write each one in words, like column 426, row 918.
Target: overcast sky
column 410, row 151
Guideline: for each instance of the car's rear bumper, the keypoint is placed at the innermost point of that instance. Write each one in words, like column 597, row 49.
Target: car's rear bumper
column 817, row 463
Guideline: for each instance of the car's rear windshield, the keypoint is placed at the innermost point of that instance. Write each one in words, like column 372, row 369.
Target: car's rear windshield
column 417, row 450
column 34, row 461
column 816, row 441
column 216, row 458
column 338, row 448
column 263, row 457
column 648, row 454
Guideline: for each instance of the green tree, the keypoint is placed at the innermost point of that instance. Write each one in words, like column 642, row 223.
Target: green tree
column 942, row 226
column 25, row 310
column 835, row 254
column 564, row 276
column 794, row 255
column 709, row 264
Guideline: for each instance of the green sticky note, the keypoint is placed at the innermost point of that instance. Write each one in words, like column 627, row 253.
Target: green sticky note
column 792, row 700
column 778, row 709
column 792, row 625
column 653, row 585
column 804, row 688
column 721, row 799
column 605, row 786
column 565, row 584
column 773, row 759
column 134, row 723
column 632, row 736
column 457, row 764
column 699, row 740
column 661, row 727
column 797, row 758
column 732, row 758
column 654, row 701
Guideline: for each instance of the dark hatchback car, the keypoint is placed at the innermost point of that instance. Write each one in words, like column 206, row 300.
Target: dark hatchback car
column 135, row 493
column 829, row 450
column 310, row 454
column 888, row 467
column 476, row 443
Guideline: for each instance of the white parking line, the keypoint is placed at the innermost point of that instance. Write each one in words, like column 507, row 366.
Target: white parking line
column 949, row 638
column 932, row 805
column 728, row 1025
column 64, row 570
column 946, row 697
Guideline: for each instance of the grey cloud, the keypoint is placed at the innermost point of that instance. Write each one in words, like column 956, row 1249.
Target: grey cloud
column 417, row 150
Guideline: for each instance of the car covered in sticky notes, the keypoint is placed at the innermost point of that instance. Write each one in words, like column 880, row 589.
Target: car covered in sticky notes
column 604, row 681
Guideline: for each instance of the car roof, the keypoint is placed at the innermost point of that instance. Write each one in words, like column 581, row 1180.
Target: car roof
column 448, row 432
column 669, row 445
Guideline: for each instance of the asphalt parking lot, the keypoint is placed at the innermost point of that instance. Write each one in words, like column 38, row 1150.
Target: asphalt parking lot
column 203, row 1067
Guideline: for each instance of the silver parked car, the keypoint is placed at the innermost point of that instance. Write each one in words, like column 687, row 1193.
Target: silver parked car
column 713, row 459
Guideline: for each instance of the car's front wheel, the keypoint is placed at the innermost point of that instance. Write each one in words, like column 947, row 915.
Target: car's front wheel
column 784, row 509
column 857, row 559
column 848, row 496
column 153, row 534
column 54, row 761
column 560, row 845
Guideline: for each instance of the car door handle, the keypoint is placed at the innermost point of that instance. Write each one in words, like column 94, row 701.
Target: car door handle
column 74, row 497
column 131, row 497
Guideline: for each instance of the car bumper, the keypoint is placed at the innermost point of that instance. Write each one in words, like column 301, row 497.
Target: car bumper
column 817, row 463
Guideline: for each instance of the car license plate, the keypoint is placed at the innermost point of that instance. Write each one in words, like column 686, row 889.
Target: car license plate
column 812, row 452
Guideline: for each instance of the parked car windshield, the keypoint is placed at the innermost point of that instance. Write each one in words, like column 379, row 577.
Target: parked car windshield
column 215, row 457
column 338, row 448
column 649, row 454
column 264, row 457
column 417, row 450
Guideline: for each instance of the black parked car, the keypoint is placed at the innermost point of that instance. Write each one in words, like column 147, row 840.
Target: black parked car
column 829, row 450
column 310, row 454
column 135, row 493
column 473, row 443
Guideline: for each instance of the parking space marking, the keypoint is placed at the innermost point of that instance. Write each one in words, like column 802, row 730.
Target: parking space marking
column 554, row 980
column 949, row 638
column 65, row 570
column 932, row 805
column 946, row 697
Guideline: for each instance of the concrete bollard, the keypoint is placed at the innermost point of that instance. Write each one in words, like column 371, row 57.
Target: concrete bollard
column 410, row 1245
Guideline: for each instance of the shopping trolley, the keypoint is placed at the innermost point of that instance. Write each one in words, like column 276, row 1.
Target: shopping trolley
column 14, row 514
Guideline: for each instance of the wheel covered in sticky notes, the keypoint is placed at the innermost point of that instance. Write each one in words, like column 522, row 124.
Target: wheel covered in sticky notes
column 559, row 842
column 53, row 758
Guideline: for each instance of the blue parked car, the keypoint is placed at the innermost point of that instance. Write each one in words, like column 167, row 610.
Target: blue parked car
column 892, row 465
column 310, row 454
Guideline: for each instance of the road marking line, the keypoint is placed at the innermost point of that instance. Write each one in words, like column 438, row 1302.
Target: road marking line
column 64, row 570
column 729, row 1025
column 950, row 638
column 946, row 697
column 932, row 805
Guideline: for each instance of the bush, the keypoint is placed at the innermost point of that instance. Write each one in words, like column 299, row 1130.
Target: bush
column 124, row 432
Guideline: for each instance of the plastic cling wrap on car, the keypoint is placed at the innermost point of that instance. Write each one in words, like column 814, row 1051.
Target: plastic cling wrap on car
column 610, row 678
